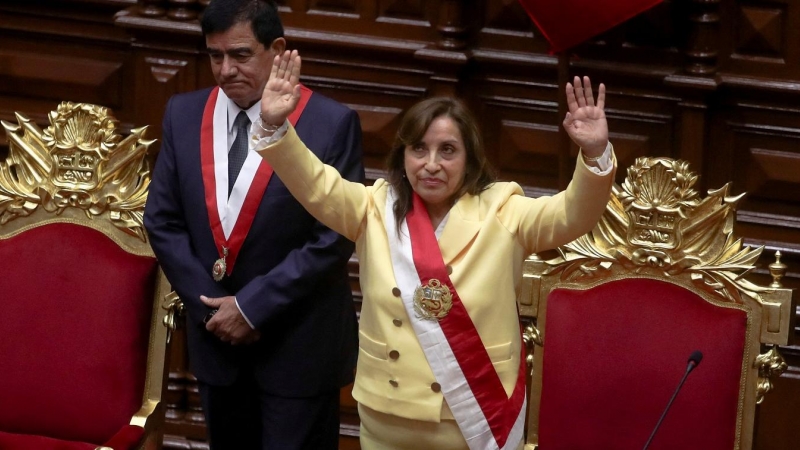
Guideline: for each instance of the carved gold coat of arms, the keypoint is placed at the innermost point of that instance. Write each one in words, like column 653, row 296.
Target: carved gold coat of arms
column 79, row 161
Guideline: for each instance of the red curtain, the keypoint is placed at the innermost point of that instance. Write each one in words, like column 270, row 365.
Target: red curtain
column 566, row 23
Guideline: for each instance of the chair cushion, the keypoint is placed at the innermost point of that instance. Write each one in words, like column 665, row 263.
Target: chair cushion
column 76, row 313
column 127, row 438
column 613, row 356
column 12, row 441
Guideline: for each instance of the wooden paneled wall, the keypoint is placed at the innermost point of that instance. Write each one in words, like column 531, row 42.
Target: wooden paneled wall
column 714, row 82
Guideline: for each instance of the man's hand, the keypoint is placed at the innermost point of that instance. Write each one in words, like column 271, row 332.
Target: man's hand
column 282, row 92
column 586, row 122
column 227, row 323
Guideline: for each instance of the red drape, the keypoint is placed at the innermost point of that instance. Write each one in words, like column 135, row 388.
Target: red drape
column 566, row 23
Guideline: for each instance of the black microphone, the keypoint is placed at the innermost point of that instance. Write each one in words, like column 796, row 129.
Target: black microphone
column 694, row 361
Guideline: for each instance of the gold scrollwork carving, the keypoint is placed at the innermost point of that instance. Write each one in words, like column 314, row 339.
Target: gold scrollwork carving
column 79, row 161
column 175, row 309
column 656, row 222
column 530, row 337
column 770, row 365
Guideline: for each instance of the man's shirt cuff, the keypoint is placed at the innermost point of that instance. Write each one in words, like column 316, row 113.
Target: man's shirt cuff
column 235, row 300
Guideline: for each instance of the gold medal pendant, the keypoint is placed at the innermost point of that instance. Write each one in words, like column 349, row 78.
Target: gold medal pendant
column 432, row 301
column 220, row 266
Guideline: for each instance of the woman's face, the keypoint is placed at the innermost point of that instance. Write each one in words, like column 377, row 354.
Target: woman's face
column 435, row 166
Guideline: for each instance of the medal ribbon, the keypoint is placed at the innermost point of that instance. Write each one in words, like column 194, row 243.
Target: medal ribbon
column 254, row 194
column 501, row 412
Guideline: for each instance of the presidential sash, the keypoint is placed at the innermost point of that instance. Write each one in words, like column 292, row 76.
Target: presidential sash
column 487, row 418
column 231, row 219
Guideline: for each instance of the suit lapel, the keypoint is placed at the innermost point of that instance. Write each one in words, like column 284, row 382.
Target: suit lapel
column 462, row 226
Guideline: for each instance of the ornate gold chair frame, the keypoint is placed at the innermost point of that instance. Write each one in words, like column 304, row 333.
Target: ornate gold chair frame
column 80, row 171
column 656, row 226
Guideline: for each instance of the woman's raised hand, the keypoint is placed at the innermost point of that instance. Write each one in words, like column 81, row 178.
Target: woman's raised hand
column 282, row 92
column 586, row 121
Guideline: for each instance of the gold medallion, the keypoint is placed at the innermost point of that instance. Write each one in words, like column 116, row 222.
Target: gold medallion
column 432, row 301
column 220, row 266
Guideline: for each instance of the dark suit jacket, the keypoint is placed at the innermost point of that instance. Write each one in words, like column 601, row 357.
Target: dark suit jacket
column 290, row 278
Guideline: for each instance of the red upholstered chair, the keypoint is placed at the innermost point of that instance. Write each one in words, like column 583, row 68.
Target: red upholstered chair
column 616, row 314
column 82, row 345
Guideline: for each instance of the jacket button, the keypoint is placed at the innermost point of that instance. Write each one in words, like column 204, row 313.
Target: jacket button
column 449, row 270
column 394, row 354
column 397, row 322
column 436, row 387
column 396, row 292
column 393, row 383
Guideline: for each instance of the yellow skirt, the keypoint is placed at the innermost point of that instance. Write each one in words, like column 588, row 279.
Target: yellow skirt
column 381, row 431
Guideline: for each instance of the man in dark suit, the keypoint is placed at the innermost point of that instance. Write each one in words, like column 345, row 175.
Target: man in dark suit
column 271, row 327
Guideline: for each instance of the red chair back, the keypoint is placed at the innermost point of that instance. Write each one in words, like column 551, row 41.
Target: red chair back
column 614, row 355
column 82, row 347
column 74, row 342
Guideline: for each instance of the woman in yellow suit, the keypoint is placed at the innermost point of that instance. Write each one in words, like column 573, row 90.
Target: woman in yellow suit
column 441, row 246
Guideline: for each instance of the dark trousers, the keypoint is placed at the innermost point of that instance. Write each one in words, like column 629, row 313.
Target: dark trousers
column 243, row 417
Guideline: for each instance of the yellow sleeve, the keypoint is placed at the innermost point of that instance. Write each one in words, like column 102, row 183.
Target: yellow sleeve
column 340, row 204
column 546, row 222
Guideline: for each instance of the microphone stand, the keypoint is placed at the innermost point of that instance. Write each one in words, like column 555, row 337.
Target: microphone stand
column 691, row 366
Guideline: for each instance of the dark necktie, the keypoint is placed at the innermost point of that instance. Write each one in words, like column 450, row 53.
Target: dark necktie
column 238, row 152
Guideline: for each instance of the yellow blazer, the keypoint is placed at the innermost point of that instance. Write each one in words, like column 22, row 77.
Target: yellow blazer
column 484, row 242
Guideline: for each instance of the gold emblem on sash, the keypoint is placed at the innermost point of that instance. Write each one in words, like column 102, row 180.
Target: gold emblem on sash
column 432, row 301
column 220, row 266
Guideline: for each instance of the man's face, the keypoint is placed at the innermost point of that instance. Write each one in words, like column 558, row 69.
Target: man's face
column 240, row 63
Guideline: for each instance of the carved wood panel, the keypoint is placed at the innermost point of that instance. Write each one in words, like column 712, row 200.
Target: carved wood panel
column 159, row 75
column 763, row 39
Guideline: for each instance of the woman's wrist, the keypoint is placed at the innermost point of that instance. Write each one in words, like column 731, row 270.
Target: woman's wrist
column 592, row 158
column 266, row 129
column 264, row 134
column 594, row 154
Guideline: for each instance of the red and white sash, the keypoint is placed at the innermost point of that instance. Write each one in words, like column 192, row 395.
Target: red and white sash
column 488, row 419
column 231, row 219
